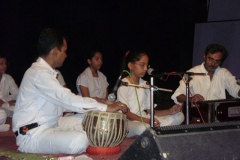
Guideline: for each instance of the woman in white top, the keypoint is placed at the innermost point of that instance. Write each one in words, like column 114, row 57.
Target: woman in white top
column 91, row 82
column 60, row 78
column 138, row 99
column 8, row 94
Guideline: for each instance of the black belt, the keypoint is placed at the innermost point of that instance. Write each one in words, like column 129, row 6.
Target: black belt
column 23, row 130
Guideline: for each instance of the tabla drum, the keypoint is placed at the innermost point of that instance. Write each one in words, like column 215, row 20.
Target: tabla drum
column 103, row 130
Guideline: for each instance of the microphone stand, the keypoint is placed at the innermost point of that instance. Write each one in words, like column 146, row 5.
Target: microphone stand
column 152, row 88
column 151, row 103
column 147, row 87
column 187, row 79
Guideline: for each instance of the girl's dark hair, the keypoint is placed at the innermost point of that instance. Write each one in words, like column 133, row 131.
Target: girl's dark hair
column 131, row 57
column 92, row 53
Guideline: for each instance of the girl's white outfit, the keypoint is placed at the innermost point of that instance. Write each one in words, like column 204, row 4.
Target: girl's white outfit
column 130, row 96
column 3, row 117
column 96, row 85
column 8, row 92
column 60, row 78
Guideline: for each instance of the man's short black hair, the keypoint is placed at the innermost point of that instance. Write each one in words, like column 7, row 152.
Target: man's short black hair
column 3, row 56
column 213, row 48
column 49, row 38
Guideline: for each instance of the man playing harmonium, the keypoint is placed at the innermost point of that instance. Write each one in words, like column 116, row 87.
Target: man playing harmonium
column 211, row 86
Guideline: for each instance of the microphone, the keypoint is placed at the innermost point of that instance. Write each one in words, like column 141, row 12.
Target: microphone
column 112, row 96
column 134, row 85
column 151, row 72
column 195, row 74
column 147, row 86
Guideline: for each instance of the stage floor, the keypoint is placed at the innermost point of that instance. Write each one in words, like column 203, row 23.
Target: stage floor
column 8, row 149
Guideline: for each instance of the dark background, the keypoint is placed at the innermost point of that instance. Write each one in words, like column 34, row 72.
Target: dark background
column 163, row 28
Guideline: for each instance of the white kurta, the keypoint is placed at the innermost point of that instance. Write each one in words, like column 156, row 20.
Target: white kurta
column 7, row 86
column 210, row 90
column 42, row 99
column 96, row 85
column 138, row 100
column 8, row 92
column 60, row 78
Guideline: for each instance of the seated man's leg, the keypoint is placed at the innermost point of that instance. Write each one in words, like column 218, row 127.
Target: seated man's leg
column 8, row 109
column 74, row 121
column 3, row 118
column 175, row 119
column 65, row 139
column 136, row 128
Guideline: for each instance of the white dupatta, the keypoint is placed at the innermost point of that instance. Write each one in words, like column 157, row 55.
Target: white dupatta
column 92, row 85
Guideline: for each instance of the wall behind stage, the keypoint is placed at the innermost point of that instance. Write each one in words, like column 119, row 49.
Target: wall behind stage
column 223, row 27
column 222, row 10
column 225, row 33
column 164, row 28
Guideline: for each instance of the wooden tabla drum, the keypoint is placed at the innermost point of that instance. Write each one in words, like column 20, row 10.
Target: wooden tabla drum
column 105, row 131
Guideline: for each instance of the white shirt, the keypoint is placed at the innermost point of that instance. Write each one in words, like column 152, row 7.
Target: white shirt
column 96, row 85
column 128, row 95
column 210, row 90
column 41, row 95
column 60, row 78
column 7, row 86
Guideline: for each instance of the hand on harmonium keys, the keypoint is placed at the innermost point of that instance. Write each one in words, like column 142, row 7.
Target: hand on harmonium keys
column 114, row 107
column 196, row 98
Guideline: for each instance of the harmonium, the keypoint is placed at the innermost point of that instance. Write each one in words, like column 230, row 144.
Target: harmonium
column 221, row 110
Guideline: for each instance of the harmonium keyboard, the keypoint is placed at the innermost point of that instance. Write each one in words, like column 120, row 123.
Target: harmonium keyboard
column 222, row 109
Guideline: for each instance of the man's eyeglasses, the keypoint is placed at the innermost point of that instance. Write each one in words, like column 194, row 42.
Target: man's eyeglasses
column 142, row 65
column 213, row 60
